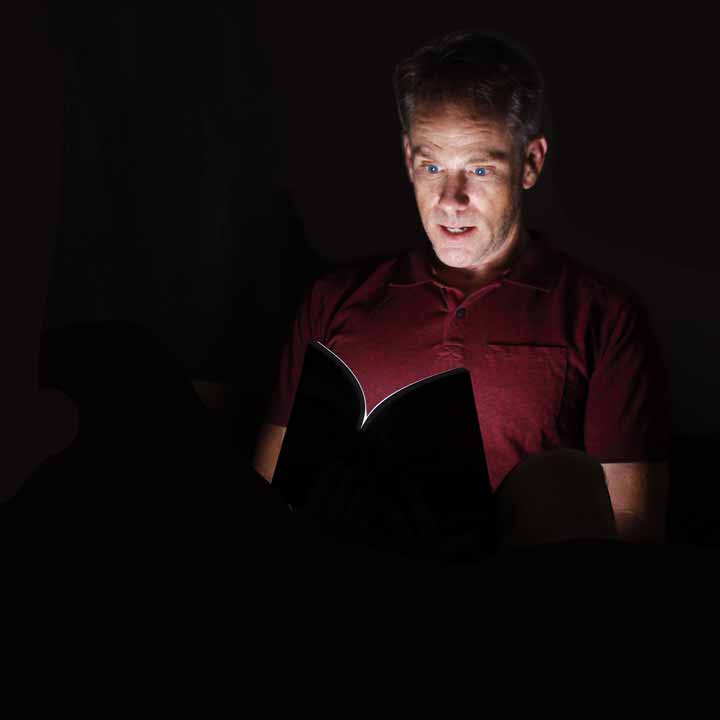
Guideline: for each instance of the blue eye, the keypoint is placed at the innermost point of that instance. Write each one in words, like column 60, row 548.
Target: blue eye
column 480, row 172
column 432, row 169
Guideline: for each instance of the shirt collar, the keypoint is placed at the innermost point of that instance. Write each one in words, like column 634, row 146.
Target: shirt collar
column 536, row 267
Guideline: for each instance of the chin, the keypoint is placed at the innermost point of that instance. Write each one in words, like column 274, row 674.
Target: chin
column 454, row 258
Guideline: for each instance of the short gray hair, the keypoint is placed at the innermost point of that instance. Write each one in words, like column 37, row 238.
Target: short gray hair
column 480, row 70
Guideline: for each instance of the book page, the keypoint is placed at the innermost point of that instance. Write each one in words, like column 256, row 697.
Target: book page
column 352, row 374
column 421, row 381
column 366, row 414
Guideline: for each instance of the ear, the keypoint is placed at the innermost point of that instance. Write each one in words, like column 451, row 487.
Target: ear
column 534, row 161
column 407, row 152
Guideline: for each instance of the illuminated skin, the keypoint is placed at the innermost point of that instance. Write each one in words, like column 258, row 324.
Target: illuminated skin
column 465, row 175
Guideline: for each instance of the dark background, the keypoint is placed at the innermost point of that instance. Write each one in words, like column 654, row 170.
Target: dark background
column 216, row 159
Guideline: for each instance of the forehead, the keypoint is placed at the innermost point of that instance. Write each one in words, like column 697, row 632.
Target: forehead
column 453, row 129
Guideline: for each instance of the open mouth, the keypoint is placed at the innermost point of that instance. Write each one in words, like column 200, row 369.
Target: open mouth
column 458, row 230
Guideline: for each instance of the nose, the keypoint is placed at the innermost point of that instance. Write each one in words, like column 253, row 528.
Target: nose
column 454, row 195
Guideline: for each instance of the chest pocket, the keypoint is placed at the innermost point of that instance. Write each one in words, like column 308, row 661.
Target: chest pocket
column 519, row 390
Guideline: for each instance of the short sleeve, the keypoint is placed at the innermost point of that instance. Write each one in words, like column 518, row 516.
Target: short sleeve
column 627, row 417
column 305, row 327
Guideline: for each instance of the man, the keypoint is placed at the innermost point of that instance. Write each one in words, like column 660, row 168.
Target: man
column 561, row 357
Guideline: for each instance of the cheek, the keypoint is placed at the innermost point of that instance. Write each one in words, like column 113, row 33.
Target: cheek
column 424, row 199
column 494, row 200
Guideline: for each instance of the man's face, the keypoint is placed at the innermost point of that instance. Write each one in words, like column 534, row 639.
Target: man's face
column 468, row 182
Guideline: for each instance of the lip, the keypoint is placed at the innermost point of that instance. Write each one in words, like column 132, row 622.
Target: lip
column 455, row 236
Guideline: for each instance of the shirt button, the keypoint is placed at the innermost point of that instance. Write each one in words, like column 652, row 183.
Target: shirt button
column 460, row 313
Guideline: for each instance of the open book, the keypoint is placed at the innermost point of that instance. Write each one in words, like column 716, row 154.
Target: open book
column 412, row 468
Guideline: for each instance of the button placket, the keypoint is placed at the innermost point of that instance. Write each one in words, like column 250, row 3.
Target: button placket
column 454, row 334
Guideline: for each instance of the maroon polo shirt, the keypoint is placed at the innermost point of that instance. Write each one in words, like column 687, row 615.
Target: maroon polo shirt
column 560, row 356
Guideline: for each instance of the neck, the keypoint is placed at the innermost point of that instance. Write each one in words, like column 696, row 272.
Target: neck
column 468, row 279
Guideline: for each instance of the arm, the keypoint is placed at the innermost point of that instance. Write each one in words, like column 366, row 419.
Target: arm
column 627, row 422
column 307, row 325
column 267, row 449
column 638, row 493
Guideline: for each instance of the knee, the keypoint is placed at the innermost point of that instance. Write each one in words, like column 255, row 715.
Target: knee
column 554, row 496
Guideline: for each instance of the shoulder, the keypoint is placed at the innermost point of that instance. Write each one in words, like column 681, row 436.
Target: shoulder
column 598, row 290
column 344, row 281
column 603, row 310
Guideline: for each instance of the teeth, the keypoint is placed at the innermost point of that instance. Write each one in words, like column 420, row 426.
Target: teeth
column 457, row 230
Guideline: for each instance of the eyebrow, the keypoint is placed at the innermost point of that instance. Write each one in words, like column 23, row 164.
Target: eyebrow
column 490, row 154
